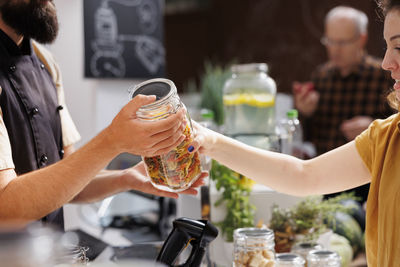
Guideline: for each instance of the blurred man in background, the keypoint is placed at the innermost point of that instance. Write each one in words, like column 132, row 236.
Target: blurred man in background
column 345, row 93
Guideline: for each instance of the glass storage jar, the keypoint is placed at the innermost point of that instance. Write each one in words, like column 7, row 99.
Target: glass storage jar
column 289, row 260
column 249, row 105
column 303, row 248
column 178, row 169
column 253, row 247
column 37, row 245
column 323, row 258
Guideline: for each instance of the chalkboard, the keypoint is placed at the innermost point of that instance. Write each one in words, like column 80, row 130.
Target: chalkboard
column 124, row 38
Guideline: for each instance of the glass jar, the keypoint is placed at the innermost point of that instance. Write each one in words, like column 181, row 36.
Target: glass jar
column 249, row 106
column 303, row 248
column 178, row 169
column 289, row 260
column 253, row 247
column 21, row 249
column 323, row 258
column 37, row 245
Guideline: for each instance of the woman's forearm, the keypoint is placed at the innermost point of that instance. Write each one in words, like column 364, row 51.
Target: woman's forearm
column 335, row 171
column 265, row 167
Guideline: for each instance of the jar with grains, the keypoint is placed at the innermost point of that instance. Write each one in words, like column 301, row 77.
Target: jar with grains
column 303, row 248
column 253, row 247
column 323, row 258
column 289, row 260
column 178, row 169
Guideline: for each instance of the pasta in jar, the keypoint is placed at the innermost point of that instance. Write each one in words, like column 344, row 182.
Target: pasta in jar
column 178, row 169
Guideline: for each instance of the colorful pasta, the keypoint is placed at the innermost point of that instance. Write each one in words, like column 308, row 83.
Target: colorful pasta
column 178, row 169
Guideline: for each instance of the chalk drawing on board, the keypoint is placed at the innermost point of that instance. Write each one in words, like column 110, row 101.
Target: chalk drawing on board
column 109, row 44
column 149, row 50
column 147, row 12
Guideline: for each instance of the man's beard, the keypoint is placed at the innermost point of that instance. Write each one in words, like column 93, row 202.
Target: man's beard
column 32, row 20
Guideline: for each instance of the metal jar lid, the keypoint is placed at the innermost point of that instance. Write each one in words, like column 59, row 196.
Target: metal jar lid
column 161, row 88
column 252, row 67
column 328, row 257
column 286, row 258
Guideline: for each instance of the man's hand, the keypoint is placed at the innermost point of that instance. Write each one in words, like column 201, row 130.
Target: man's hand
column 356, row 125
column 137, row 179
column 127, row 133
column 305, row 98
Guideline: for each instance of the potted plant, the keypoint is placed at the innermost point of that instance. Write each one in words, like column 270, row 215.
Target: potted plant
column 235, row 192
column 313, row 217
column 231, row 209
column 211, row 85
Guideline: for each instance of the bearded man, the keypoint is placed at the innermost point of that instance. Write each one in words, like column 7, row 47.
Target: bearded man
column 39, row 168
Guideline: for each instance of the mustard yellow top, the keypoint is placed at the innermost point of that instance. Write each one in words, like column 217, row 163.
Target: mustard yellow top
column 379, row 147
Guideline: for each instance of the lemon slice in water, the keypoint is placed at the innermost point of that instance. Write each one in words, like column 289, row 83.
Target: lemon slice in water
column 255, row 100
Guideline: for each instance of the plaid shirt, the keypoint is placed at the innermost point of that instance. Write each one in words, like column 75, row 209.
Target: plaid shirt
column 361, row 93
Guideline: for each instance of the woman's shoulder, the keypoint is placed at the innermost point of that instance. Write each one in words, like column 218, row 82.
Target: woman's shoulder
column 391, row 121
column 385, row 126
column 375, row 140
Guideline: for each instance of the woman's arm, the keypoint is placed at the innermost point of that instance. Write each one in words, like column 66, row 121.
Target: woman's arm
column 337, row 170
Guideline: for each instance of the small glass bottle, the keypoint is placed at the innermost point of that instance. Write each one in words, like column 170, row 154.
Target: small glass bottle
column 249, row 106
column 289, row 260
column 303, row 248
column 291, row 134
column 323, row 258
column 206, row 120
column 253, row 247
column 178, row 169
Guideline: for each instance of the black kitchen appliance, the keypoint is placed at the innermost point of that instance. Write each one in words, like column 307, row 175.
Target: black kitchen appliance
column 197, row 233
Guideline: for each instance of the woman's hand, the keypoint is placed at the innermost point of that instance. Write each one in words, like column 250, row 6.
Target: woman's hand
column 204, row 140
column 136, row 178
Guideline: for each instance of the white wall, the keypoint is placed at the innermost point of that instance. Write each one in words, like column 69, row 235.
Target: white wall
column 92, row 102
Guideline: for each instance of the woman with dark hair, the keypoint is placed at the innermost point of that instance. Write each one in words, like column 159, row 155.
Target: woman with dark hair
column 371, row 158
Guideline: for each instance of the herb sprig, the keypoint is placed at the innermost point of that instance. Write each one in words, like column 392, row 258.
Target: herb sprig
column 236, row 190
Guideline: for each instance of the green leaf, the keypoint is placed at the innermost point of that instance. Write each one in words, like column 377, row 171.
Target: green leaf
column 240, row 212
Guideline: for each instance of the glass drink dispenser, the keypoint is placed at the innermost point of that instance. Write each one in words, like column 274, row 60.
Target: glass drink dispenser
column 249, row 106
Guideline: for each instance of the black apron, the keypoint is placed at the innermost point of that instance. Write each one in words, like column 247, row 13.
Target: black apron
column 31, row 115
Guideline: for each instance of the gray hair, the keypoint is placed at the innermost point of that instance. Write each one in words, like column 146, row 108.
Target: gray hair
column 359, row 18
